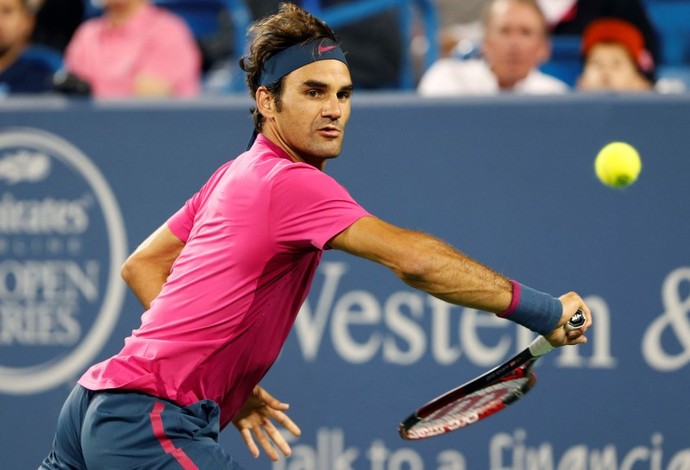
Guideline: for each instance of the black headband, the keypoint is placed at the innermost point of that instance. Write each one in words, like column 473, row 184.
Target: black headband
column 299, row 55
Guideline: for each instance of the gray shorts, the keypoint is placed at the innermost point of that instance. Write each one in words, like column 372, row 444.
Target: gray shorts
column 115, row 429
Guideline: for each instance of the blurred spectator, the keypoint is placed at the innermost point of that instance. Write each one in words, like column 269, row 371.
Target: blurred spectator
column 458, row 21
column 514, row 44
column 135, row 49
column 56, row 22
column 616, row 58
column 452, row 12
column 571, row 17
column 373, row 45
column 20, row 72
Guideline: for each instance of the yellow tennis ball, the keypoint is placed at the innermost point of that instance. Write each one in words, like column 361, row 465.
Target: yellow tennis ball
column 617, row 164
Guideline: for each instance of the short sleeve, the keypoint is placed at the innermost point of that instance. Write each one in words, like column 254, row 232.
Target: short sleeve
column 182, row 221
column 308, row 207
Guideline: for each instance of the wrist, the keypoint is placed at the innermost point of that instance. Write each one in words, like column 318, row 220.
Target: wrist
column 538, row 311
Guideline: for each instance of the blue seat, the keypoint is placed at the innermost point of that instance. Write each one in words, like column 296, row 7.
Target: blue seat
column 205, row 17
column 202, row 16
column 47, row 55
column 565, row 62
column 672, row 20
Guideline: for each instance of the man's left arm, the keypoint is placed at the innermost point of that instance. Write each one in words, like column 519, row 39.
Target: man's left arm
column 148, row 267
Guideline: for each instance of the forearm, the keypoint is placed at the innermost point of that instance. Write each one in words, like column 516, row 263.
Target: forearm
column 456, row 278
column 429, row 264
column 452, row 276
column 150, row 86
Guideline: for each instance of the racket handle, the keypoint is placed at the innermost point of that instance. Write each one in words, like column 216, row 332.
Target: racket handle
column 577, row 321
column 541, row 345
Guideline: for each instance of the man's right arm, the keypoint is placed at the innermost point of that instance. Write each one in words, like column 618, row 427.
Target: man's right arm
column 427, row 263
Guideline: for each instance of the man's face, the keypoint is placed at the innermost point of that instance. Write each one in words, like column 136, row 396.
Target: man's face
column 515, row 41
column 609, row 66
column 15, row 24
column 314, row 110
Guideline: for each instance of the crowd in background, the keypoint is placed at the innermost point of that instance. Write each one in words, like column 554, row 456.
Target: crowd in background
column 617, row 48
column 145, row 48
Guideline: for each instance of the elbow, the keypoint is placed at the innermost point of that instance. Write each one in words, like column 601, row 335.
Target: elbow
column 414, row 268
column 129, row 269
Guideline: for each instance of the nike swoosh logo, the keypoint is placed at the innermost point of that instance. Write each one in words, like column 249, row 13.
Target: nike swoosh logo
column 324, row 49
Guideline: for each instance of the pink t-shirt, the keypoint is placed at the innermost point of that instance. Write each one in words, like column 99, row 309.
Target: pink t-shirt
column 253, row 237
column 153, row 41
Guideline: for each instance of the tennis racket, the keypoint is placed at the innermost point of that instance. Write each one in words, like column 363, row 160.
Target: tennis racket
column 482, row 396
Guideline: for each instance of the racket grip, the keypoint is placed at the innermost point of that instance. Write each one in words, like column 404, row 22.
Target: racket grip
column 541, row 345
column 576, row 321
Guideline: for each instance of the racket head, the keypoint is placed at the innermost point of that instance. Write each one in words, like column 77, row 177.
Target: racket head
column 467, row 405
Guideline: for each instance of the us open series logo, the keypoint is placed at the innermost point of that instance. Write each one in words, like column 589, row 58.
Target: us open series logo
column 62, row 242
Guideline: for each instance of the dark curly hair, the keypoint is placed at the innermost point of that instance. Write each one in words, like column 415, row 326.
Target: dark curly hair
column 291, row 25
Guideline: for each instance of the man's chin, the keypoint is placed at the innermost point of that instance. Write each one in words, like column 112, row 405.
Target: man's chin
column 330, row 152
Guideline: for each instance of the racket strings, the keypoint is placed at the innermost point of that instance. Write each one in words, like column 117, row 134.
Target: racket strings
column 471, row 408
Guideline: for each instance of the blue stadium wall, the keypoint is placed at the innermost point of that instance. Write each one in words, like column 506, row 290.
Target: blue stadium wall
column 510, row 181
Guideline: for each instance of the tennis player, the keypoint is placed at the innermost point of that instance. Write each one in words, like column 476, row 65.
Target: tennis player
column 223, row 278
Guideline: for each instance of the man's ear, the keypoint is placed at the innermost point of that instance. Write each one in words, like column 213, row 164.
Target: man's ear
column 265, row 103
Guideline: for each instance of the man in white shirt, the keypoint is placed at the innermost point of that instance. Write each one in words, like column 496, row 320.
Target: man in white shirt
column 515, row 43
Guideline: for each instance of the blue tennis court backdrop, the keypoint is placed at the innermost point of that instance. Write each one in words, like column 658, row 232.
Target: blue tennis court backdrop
column 510, row 181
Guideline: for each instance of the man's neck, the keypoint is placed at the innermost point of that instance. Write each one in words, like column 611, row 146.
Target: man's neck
column 276, row 139
column 506, row 84
column 118, row 16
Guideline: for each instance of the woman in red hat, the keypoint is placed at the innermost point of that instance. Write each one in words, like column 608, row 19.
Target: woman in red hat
column 615, row 58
